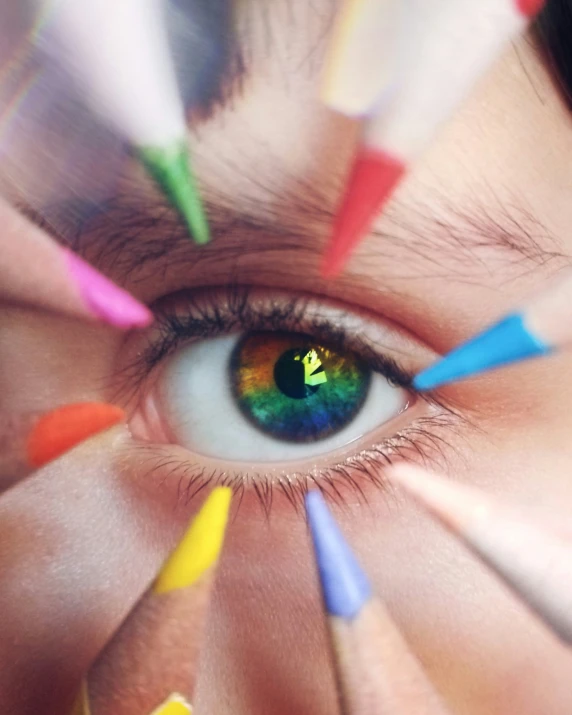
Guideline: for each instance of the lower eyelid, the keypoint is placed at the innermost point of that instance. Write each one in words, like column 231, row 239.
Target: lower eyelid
column 352, row 472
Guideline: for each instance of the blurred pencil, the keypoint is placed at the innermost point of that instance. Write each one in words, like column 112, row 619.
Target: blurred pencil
column 534, row 562
column 458, row 41
column 119, row 54
column 150, row 665
column 31, row 439
column 36, row 272
column 542, row 326
column 376, row 671
column 362, row 62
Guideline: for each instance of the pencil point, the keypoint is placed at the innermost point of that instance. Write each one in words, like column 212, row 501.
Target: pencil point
column 81, row 705
column 344, row 584
column 374, row 176
column 174, row 705
column 171, row 170
column 503, row 343
column 201, row 545
column 59, row 430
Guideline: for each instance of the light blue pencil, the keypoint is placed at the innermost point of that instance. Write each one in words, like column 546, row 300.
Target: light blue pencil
column 376, row 671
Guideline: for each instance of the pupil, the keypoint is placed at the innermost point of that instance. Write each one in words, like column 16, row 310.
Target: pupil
column 298, row 373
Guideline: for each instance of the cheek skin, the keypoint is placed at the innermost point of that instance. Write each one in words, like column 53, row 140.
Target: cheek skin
column 48, row 360
column 266, row 630
column 64, row 589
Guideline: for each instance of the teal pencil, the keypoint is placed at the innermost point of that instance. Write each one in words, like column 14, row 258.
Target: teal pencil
column 376, row 671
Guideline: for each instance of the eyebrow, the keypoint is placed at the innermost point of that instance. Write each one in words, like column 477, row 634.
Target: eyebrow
column 135, row 235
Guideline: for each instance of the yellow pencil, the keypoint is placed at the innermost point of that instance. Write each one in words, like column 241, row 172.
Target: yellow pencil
column 150, row 665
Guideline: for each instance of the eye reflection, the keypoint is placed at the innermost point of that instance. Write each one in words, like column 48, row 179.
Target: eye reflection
column 295, row 389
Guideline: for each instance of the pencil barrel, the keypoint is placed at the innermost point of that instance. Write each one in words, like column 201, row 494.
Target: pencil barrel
column 154, row 654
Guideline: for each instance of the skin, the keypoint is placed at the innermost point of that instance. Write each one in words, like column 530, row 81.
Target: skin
column 266, row 648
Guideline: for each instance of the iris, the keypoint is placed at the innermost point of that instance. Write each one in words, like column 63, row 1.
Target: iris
column 295, row 389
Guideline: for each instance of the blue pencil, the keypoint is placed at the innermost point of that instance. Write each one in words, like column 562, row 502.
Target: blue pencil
column 540, row 328
column 376, row 671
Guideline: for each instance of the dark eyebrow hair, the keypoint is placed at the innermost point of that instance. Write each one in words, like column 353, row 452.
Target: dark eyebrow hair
column 133, row 236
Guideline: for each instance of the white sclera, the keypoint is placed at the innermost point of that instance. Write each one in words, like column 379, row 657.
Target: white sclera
column 198, row 405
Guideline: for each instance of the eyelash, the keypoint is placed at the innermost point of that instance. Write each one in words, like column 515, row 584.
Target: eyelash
column 202, row 319
column 418, row 442
column 207, row 321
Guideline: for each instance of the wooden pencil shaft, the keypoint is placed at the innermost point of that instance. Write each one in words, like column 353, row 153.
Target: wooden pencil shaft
column 376, row 670
column 362, row 61
column 450, row 45
column 154, row 654
column 537, row 564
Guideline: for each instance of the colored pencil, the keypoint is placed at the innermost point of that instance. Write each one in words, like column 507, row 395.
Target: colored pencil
column 119, row 55
column 534, row 562
column 150, row 665
column 31, row 439
column 361, row 66
column 542, row 326
column 453, row 43
column 376, row 671
column 36, row 272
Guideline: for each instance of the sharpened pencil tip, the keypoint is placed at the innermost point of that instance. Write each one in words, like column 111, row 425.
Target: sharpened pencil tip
column 174, row 705
column 81, row 705
column 59, row 430
column 344, row 584
column 503, row 343
column 200, row 547
column 171, row 170
column 374, row 176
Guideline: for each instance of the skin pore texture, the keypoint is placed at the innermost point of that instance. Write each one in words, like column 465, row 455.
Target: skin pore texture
column 482, row 222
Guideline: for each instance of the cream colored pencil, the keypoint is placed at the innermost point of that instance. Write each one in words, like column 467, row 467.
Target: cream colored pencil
column 362, row 62
column 537, row 564
column 118, row 53
column 376, row 670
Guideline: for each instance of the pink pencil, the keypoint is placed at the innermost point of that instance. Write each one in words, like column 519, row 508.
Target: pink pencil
column 456, row 41
column 536, row 563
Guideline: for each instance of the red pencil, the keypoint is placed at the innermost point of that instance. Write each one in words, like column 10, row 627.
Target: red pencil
column 451, row 46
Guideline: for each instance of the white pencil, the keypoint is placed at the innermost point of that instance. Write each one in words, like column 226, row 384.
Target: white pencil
column 118, row 53
column 451, row 44
column 537, row 564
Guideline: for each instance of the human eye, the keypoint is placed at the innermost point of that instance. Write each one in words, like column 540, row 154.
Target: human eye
column 275, row 387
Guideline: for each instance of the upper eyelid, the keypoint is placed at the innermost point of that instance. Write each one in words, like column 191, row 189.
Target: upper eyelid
column 199, row 314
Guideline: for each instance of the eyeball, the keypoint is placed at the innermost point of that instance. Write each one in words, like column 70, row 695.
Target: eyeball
column 271, row 396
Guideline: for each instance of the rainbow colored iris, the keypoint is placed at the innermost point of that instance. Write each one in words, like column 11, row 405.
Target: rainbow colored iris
column 295, row 389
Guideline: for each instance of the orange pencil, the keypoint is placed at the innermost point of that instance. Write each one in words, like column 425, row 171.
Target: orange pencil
column 453, row 42
column 150, row 665
column 30, row 440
